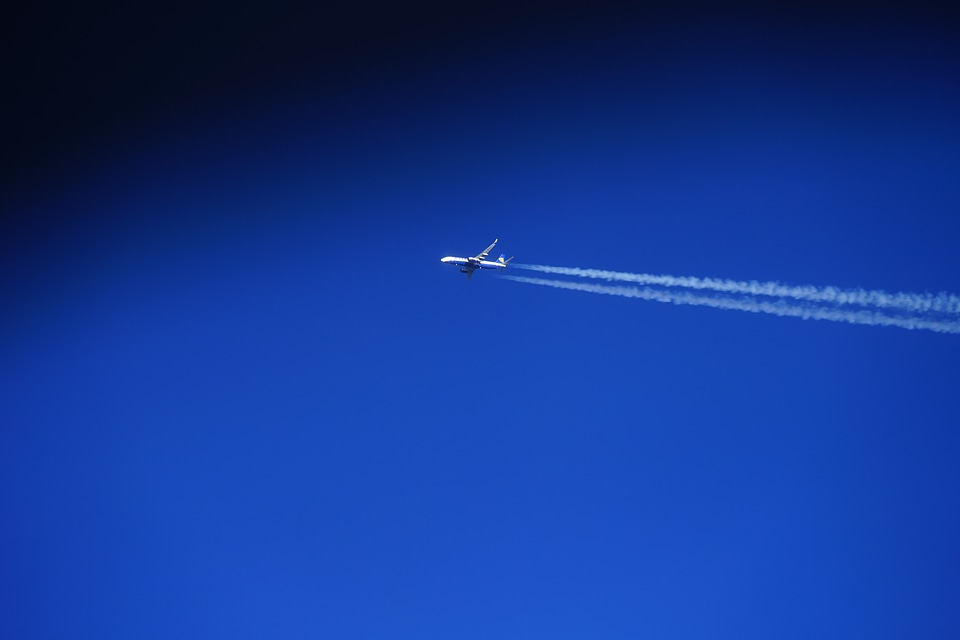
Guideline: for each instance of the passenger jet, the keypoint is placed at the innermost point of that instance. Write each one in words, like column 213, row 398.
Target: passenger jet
column 479, row 261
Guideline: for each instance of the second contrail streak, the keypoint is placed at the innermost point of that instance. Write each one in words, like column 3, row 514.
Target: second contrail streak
column 779, row 307
column 913, row 302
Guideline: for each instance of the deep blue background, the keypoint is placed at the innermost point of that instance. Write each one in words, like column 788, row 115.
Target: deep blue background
column 241, row 397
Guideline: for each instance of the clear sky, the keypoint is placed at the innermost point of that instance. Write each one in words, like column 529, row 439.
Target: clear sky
column 240, row 396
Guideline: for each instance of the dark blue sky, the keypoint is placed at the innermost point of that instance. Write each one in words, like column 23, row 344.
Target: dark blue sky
column 240, row 395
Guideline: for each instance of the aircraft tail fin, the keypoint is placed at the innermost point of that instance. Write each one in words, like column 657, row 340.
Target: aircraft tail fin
column 504, row 262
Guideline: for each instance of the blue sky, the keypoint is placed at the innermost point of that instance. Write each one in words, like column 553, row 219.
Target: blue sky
column 241, row 396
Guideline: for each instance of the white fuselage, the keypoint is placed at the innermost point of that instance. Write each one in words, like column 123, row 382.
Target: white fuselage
column 471, row 263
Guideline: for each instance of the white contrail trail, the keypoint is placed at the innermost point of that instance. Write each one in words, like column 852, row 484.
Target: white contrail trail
column 753, row 305
column 914, row 302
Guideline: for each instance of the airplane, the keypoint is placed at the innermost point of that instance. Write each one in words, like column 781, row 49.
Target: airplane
column 479, row 261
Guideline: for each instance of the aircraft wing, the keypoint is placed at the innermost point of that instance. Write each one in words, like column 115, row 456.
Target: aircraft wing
column 483, row 254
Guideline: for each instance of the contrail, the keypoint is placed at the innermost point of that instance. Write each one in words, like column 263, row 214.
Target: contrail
column 778, row 308
column 913, row 302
